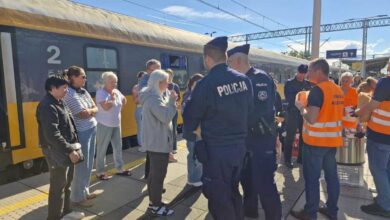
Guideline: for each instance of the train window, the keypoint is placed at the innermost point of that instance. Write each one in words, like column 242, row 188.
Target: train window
column 178, row 64
column 99, row 60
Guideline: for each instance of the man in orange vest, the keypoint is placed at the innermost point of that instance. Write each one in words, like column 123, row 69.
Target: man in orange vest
column 350, row 103
column 322, row 135
column 377, row 113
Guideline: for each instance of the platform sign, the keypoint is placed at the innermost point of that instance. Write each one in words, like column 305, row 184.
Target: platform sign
column 356, row 66
column 336, row 54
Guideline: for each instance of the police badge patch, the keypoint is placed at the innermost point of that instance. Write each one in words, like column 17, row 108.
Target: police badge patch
column 262, row 95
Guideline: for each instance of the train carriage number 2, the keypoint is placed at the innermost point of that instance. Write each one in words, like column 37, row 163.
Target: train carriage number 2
column 54, row 58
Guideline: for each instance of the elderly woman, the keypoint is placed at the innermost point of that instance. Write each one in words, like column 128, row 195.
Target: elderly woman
column 158, row 111
column 109, row 101
column 83, row 110
column 350, row 103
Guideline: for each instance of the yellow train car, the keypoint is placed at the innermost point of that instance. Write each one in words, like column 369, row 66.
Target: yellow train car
column 39, row 37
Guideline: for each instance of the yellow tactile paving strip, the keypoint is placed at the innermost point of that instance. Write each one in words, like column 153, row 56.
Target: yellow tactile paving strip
column 31, row 199
column 23, row 203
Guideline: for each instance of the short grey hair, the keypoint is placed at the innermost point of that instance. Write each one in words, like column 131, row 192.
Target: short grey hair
column 107, row 75
column 346, row 74
column 154, row 81
column 152, row 62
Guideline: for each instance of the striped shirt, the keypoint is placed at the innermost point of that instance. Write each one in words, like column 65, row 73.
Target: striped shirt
column 77, row 102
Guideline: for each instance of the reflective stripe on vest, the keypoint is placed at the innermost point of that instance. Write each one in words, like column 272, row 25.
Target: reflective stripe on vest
column 327, row 131
column 380, row 119
column 382, row 112
column 325, row 124
column 323, row 134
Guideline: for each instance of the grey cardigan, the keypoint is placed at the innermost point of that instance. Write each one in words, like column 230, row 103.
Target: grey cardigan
column 157, row 114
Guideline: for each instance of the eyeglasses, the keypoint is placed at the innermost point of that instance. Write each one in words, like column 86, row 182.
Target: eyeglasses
column 83, row 76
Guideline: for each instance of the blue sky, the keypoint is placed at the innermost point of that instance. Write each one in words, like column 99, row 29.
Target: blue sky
column 195, row 16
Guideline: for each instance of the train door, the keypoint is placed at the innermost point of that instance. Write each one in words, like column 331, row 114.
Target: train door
column 5, row 145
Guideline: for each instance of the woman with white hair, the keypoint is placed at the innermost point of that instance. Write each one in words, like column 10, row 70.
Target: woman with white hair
column 158, row 110
column 109, row 102
column 350, row 103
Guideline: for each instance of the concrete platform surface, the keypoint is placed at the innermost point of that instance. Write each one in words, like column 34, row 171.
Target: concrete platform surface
column 126, row 197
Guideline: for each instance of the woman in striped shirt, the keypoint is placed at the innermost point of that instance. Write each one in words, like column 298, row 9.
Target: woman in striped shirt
column 83, row 110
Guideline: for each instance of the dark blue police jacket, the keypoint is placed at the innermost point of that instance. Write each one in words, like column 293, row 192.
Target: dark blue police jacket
column 264, row 95
column 220, row 104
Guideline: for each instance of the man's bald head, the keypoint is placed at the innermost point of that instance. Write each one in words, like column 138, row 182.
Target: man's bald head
column 239, row 62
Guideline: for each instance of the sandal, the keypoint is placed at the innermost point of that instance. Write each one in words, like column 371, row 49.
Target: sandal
column 161, row 211
column 124, row 173
column 103, row 177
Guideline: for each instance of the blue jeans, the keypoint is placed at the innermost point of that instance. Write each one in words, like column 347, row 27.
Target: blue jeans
column 104, row 136
column 194, row 167
column 379, row 164
column 138, row 118
column 314, row 160
column 82, row 171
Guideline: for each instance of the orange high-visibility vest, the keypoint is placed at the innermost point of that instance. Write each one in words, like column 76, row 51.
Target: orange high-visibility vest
column 327, row 130
column 380, row 119
column 350, row 100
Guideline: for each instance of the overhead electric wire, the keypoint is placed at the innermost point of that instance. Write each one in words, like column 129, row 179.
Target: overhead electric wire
column 187, row 20
column 239, row 17
column 258, row 13
column 232, row 14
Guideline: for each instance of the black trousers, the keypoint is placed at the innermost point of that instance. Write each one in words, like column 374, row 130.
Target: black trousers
column 147, row 166
column 221, row 177
column 59, row 191
column 258, row 179
column 294, row 121
column 158, row 170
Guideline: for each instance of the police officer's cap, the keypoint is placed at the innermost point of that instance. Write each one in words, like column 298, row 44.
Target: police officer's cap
column 239, row 49
column 219, row 43
column 302, row 68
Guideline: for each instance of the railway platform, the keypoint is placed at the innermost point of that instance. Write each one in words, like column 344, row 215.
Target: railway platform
column 126, row 197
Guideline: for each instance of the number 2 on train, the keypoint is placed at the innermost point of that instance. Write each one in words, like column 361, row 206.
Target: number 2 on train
column 54, row 58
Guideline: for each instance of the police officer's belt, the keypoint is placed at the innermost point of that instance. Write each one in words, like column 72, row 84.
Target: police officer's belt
column 264, row 128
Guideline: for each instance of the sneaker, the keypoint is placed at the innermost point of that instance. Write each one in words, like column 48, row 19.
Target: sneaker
column 95, row 194
column 84, row 204
column 162, row 210
column 195, row 184
column 375, row 209
column 74, row 215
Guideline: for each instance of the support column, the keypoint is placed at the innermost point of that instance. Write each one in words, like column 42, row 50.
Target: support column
column 315, row 49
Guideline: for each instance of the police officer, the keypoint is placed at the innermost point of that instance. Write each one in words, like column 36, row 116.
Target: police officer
column 220, row 104
column 293, row 118
column 260, row 162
